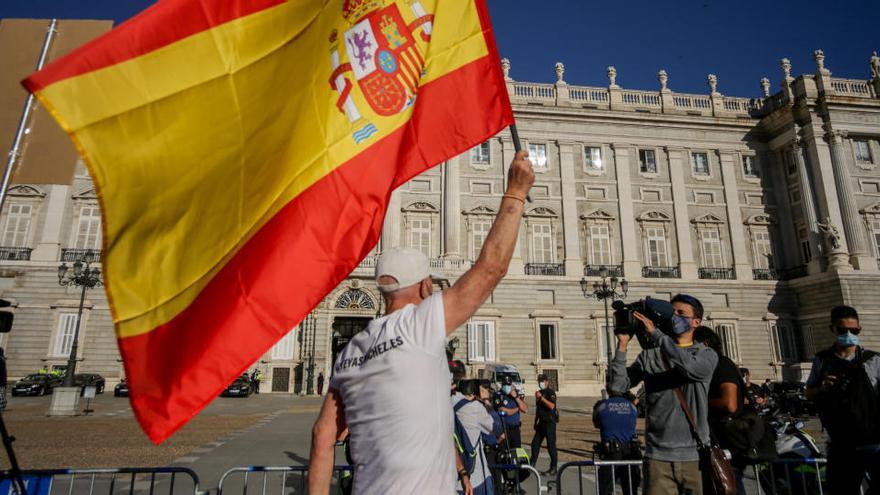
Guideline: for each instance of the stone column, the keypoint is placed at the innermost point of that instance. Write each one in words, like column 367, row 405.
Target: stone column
column 824, row 192
column 852, row 225
column 574, row 264
column 809, row 205
column 516, row 262
column 738, row 237
column 678, row 160
column 391, row 228
column 452, row 209
column 629, row 241
column 48, row 243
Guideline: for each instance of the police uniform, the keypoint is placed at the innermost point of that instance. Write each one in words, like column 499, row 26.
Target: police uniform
column 512, row 422
column 545, row 427
column 616, row 419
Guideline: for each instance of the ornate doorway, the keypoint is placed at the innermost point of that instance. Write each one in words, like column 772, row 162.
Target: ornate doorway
column 344, row 328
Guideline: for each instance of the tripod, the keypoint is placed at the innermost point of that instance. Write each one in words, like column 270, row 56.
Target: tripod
column 14, row 471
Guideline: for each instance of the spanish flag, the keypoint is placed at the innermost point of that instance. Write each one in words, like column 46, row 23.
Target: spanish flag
column 244, row 152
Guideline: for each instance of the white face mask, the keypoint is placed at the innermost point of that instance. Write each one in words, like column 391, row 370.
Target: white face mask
column 542, row 385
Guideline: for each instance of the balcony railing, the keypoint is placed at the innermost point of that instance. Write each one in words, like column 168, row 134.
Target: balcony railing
column 557, row 269
column 717, row 273
column 450, row 265
column 596, row 270
column 765, row 274
column 368, row 262
column 661, row 272
column 84, row 255
column 15, row 254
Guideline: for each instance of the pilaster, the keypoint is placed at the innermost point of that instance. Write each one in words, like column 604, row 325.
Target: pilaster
column 852, row 226
column 809, row 204
column 738, row 238
column 452, row 209
column 677, row 162
column 629, row 241
column 822, row 169
column 49, row 242
column 574, row 264
column 516, row 266
column 391, row 227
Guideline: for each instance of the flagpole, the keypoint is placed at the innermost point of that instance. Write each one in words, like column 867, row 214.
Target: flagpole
column 517, row 147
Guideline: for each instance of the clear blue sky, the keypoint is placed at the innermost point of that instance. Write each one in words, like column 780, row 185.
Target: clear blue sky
column 738, row 40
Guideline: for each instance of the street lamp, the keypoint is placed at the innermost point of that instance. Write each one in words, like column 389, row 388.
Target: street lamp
column 87, row 278
column 603, row 291
column 309, row 325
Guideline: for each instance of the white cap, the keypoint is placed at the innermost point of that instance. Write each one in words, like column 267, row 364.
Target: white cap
column 407, row 265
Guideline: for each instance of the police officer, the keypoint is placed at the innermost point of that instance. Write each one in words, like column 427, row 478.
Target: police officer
column 509, row 402
column 615, row 417
column 546, row 418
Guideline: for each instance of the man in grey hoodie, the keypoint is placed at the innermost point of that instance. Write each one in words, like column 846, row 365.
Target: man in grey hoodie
column 671, row 457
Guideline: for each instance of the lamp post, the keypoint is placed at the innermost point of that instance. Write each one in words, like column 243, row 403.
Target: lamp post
column 87, row 278
column 309, row 328
column 603, row 291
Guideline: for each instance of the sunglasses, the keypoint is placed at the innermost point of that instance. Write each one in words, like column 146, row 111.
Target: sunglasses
column 843, row 330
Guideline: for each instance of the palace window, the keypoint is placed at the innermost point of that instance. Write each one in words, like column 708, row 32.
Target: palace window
column 875, row 231
column 480, row 154
column 749, row 168
column 784, row 343
column 283, row 349
column 647, row 162
column 600, row 245
column 727, row 333
column 420, row 234
column 481, row 341
column 549, row 343
column 863, row 150
column 478, row 238
column 88, row 232
column 543, row 247
column 64, row 334
column 700, row 162
column 18, row 226
column 656, row 244
column 538, row 155
column 763, row 249
column 593, row 158
column 710, row 240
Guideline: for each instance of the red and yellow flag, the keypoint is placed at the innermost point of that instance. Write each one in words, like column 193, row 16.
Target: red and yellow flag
column 244, row 152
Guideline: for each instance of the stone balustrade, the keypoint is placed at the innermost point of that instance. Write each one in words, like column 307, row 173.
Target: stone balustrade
column 630, row 100
column 858, row 88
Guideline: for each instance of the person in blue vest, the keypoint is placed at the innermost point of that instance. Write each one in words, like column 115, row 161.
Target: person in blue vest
column 509, row 403
column 615, row 417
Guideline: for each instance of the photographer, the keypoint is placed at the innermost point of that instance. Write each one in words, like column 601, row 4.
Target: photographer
column 509, row 402
column 755, row 394
column 473, row 409
column 675, row 361
column 845, row 383
column 615, row 417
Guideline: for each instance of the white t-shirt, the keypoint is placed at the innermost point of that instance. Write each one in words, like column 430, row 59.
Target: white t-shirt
column 394, row 382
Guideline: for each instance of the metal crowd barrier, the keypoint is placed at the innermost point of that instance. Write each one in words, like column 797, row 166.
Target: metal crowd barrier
column 780, row 477
column 519, row 485
column 276, row 479
column 112, row 481
column 287, row 480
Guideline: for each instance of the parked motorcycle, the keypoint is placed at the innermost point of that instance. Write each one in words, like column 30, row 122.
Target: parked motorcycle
column 796, row 472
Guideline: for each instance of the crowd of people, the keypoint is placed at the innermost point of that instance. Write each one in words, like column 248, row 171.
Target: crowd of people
column 387, row 393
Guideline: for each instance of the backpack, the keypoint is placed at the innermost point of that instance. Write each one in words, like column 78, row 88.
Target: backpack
column 850, row 411
column 466, row 450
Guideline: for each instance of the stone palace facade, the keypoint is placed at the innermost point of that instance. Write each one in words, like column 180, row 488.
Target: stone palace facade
column 767, row 209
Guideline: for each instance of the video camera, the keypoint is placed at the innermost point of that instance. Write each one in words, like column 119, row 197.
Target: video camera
column 472, row 386
column 625, row 322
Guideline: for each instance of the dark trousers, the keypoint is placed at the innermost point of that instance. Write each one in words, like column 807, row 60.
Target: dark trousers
column 544, row 429
column 848, row 466
column 627, row 477
column 514, row 437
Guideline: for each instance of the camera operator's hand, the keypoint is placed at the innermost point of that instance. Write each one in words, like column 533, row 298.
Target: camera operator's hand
column 828, row 383
column 649, row 325
column 622, row 341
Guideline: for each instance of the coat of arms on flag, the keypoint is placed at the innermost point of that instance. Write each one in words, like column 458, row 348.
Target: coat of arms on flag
column 383, row 55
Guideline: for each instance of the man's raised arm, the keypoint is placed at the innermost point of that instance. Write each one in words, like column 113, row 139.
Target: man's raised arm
column 461, row 300
column 328, row 427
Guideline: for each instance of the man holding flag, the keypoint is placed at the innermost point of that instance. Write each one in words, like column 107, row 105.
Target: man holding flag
column 390, row 385
column 244, row 153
